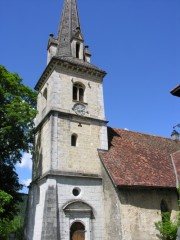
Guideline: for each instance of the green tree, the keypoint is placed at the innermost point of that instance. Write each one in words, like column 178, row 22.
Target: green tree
column 16, row 224
column 167, row 228
column 10, row 185
column 17, row 113
column 4, row 199
column 11, row 226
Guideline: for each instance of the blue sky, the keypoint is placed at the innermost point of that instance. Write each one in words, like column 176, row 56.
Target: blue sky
column 137, row 42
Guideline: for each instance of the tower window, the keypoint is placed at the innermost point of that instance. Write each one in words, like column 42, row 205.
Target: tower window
column 78, row 92
column 74, row 140
column 45, row 93
column 77, row 50
column 44, row 98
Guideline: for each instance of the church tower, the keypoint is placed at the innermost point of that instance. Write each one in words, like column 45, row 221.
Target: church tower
column 66, row 193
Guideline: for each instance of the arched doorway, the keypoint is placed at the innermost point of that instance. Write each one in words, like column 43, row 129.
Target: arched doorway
column 77, row 231
column 78, row 217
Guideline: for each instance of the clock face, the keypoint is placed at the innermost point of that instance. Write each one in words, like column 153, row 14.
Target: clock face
column 79, row 109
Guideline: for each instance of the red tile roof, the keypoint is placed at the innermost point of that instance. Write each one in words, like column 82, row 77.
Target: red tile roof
column 140, row 160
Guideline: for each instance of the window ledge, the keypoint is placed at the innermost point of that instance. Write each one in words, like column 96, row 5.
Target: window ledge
column 76, row 101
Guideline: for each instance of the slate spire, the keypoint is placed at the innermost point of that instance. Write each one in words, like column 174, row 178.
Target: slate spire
column 68, row 28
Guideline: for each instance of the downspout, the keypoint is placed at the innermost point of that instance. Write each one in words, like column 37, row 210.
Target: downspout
column 177, row 186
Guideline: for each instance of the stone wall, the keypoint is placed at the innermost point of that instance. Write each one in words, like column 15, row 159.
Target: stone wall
column 59, row 87
column 53, row 139
column 112, row 213
column 83, row 157
column 140, row 210
column 42, row 156
column 54, row 151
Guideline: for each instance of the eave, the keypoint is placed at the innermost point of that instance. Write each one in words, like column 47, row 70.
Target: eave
column 176, row 91
column 69, row 65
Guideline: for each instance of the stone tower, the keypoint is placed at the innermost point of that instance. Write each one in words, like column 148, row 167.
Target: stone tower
column 66, row 193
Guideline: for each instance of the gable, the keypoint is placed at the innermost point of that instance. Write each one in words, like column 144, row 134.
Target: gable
column 78, row 35
column 136, row 159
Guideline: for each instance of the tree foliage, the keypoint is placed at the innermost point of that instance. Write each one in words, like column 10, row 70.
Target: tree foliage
column 11, row 226
column 17, row 113
column 5, row 198
column 10, row 185
column 16, row 224
column 167, row 228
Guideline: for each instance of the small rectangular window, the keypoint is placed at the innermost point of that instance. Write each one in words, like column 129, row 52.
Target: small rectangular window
column 73, row 140
column 77, row 49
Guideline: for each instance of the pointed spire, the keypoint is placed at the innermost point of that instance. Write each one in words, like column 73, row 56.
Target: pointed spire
column 69, row 27
column 69, row 42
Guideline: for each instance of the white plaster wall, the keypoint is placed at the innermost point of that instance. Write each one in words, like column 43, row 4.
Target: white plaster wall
column 39, row 212
column 91, row 194
column 39, row 208
column 33, row 200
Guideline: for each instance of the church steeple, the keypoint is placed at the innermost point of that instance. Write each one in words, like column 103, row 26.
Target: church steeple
column 70, row 41
column 66, row 193
column 69, row 27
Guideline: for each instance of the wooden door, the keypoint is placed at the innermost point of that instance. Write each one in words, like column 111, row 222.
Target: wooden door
column 78, row 235
column 77, row 231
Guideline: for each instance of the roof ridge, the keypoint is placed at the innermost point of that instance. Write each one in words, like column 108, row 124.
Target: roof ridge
column 142, row 133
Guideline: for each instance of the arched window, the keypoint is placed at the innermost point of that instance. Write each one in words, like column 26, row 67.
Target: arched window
column 74, row 140
column 77, row 231
column 78, row 92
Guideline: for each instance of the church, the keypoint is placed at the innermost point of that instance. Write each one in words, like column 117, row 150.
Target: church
column 91, row 181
